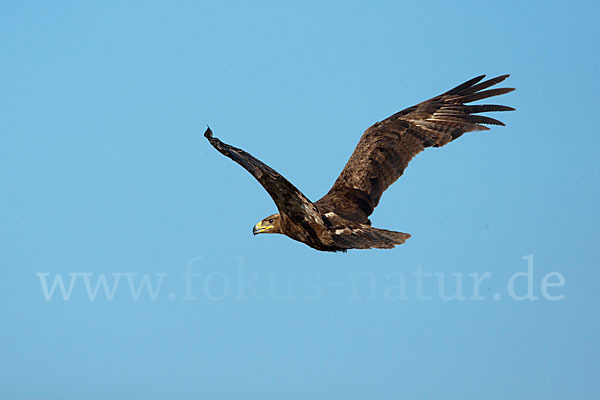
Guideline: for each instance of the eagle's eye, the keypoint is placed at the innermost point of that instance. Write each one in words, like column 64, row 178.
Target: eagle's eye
column 270, row 220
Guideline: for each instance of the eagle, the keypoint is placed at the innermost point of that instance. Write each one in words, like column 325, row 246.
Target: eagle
column 339, row 221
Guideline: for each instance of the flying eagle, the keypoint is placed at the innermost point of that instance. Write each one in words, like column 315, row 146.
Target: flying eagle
column 340, row 220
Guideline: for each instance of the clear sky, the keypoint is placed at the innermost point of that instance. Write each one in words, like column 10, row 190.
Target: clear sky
column 106, row 178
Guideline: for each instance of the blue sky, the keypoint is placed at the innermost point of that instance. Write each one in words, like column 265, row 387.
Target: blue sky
column 106, row 175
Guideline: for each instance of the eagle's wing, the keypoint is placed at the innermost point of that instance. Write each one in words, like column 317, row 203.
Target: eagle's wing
column 386, row 148
column 288, row 199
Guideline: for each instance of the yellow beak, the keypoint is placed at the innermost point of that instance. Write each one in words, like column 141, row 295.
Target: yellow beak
column 260, row 228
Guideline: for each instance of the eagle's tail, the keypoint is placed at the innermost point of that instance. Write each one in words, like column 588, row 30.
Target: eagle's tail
column 367, row 237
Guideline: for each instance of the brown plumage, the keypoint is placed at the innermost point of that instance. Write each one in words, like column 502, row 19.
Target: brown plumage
column 339, row 220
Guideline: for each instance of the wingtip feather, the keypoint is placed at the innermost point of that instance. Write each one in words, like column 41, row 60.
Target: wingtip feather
column 208, row 133
column 465, row 85
column 500, row 78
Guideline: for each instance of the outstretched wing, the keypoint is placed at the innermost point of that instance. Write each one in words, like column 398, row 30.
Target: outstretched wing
column 386, row 148
column 288, row 199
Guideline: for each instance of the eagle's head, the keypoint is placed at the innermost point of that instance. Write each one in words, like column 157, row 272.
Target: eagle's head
column 271, row 224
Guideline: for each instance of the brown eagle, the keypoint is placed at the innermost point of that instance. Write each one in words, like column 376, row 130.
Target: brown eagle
column 340, row 220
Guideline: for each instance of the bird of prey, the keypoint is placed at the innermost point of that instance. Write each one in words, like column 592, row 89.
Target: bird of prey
column 340, row 220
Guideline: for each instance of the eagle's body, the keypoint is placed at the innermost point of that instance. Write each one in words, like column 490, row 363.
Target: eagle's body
column 340, row 220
